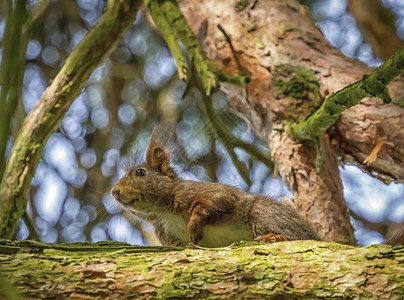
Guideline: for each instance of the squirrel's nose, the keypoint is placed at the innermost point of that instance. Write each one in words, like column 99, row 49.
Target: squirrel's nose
column 115, row 193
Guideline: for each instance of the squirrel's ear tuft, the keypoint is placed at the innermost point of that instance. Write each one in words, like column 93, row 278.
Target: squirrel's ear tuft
column 159, row 159
column 158, row 155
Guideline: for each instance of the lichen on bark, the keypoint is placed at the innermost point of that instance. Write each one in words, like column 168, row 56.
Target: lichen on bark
column 299, row 269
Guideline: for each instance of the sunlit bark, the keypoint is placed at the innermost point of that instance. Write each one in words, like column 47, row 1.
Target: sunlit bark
column 293, row 270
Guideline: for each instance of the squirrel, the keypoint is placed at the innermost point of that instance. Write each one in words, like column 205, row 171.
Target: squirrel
column 207, row 214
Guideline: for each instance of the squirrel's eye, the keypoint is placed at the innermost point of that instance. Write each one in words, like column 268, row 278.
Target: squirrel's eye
column 140, row 172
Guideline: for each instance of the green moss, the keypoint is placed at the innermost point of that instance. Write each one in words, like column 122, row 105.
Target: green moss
column 371, row 85
column 241, row 5
column 297, row 82
column 284, row 269
column 66, row 89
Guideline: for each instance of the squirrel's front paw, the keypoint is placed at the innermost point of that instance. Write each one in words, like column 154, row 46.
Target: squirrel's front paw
column 195, row 238
column 195, row 231
column 270, row 238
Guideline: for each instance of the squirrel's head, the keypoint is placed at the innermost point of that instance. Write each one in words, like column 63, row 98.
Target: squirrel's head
column 149, row 185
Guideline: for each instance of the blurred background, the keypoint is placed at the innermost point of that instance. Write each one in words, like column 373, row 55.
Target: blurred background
column 136, row 88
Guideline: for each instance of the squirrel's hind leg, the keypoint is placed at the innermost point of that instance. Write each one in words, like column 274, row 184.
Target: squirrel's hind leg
column 270, row 238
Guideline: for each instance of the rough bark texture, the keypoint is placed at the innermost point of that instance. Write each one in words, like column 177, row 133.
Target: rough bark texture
column 293, row 69
column 289, row 270
column 45, row 118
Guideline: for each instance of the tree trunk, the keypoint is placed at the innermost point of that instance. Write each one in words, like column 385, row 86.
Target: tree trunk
column 289, row 270
column 293, row 69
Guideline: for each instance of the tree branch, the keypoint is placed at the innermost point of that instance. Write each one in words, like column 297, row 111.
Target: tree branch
column 174, row 28
column 166, row 30
column 372, row 85
column 12, row 70
column 45, row 118
column 298, row 269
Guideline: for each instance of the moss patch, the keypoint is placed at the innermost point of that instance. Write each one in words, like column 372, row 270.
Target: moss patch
column 295, row 269
column 241, row 5
column 299, row 90
column 297, row 82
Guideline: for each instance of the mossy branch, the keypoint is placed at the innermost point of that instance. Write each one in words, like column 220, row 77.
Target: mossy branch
column 35, row 14
column 372, row 85
column 12, row 69
column 246, row 270
column 178, row 30
column 166, row 30
column 45, row 118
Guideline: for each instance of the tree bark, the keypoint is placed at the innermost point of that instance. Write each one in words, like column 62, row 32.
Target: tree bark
column 289, row 270
column 293, row 69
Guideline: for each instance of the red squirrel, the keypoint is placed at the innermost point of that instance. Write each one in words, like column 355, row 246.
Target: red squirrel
column 203, row 213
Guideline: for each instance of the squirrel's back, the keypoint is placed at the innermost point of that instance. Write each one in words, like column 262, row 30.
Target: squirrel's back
column 230, row 215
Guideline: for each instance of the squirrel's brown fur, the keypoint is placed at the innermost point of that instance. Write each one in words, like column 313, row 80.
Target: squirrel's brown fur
column 207, row 214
